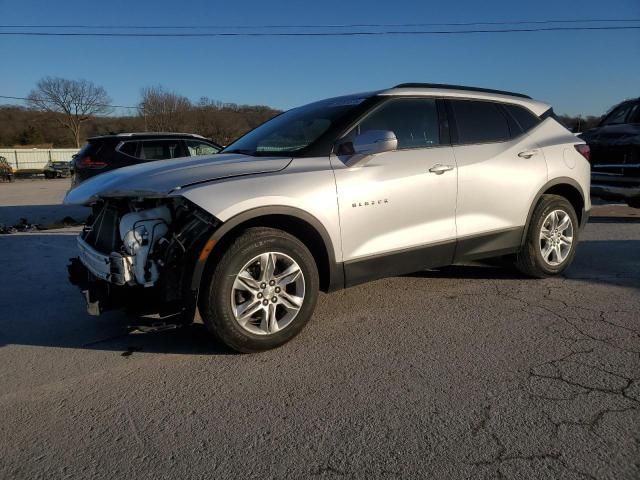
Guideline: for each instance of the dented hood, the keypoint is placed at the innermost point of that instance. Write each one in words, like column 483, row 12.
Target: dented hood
column 160, row 178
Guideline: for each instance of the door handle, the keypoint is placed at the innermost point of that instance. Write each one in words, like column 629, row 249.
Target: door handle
column 439, row 169
column 528, row 153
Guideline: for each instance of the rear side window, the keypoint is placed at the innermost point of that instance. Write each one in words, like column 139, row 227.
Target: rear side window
column 414, row 121
column 479, row 122
column 161, row 149
column 523, row 116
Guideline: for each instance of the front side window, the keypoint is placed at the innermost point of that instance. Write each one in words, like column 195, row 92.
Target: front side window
column 160, row 149
column 293, row 131
column 414, row 121
column 196, row 148
column 479, row 122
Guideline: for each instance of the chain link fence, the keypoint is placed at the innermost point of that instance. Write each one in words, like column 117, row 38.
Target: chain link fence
column 34, row 159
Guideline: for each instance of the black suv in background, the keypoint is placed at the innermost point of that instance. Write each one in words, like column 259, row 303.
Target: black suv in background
column 109, row 152
column 615, row 154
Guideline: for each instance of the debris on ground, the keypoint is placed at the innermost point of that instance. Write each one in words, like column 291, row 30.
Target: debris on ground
column 25, row 226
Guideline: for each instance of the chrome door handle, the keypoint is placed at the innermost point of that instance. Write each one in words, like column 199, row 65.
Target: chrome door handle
column 439, row 169
column 528, row 153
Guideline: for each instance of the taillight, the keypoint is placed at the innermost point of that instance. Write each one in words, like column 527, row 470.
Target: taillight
column 584, row 150
column 88, row 162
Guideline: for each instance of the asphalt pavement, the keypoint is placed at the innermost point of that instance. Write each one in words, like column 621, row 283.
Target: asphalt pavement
column 465, row 372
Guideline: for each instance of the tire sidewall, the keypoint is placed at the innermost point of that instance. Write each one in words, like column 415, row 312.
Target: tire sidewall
column 544, row 209
column 221, row 320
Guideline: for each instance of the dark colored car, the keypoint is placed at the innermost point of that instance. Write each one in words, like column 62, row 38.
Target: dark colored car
column 6, row 170
column 615, row 154
column 109, row 152
column 58, row 169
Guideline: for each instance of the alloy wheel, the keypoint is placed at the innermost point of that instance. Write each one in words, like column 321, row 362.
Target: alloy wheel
column 556, row 237
column 267, row 293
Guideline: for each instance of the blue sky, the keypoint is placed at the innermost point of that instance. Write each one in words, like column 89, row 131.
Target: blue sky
column 578, row 72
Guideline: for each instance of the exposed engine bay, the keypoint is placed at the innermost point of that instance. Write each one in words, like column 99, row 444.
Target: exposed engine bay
column 141, row 251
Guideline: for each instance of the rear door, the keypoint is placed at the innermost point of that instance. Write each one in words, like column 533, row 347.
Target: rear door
column 500, row 170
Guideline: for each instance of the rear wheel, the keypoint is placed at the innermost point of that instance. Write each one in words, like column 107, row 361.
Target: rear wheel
column 49, row 175
column 261, row 292
column 551, row 240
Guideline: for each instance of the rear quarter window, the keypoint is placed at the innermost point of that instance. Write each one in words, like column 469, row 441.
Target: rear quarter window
column 128, row 148
column 523, row 116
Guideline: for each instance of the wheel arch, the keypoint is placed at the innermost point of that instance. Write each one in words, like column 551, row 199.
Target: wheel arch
column 565, row 187
column 304, row 226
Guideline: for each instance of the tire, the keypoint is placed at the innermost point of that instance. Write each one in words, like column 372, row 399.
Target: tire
column 49, row 175
column 530, row 259
column 634, row 202
column 223, row 295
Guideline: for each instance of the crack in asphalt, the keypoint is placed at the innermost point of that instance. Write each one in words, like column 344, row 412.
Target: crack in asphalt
column 577, row 376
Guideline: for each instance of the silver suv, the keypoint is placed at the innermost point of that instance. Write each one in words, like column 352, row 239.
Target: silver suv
column 331, row 195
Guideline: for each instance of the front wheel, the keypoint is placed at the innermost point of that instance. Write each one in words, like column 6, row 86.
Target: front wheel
column 552, row 238
column 634, row 202
column 261, row 292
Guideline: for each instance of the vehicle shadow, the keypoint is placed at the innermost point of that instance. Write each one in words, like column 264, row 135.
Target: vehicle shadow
column 38, row 306
column 615, row 262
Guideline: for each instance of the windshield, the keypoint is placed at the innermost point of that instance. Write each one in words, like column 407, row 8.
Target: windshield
column 294, row 130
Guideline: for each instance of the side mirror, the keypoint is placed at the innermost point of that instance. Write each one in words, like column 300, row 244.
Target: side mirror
column 370, row 143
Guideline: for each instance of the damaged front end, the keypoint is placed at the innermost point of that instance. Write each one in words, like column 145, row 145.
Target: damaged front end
column 142, row 254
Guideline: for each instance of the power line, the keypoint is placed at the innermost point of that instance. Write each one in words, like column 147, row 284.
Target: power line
column 317, row 34
column 345, row 25
column 97, row 104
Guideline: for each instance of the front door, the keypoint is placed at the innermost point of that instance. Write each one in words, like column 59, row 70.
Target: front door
column 397, row 216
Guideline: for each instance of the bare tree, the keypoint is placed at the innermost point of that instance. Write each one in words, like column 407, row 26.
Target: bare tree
column 76, row 101
column 164, row 111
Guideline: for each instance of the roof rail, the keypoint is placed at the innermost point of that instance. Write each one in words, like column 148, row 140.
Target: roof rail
column 154, row 134
column 445, row 86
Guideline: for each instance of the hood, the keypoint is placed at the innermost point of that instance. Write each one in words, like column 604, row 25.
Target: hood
column 159, row 178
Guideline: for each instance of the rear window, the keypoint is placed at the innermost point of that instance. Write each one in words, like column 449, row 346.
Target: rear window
column 524, row 117
column 479, row 122
column 91, row 149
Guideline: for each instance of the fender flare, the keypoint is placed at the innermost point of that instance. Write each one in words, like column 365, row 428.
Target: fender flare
column 336, row 270
column 547, row 186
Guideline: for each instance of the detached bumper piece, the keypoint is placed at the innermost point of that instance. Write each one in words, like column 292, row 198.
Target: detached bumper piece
column 114, row 268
